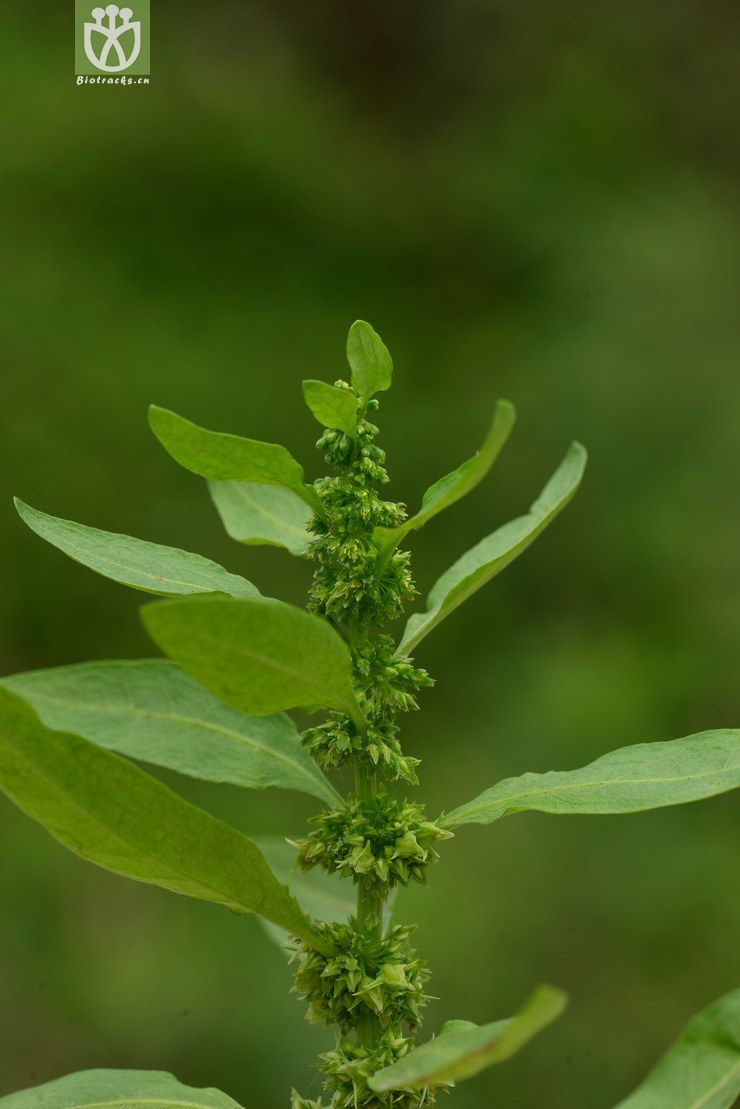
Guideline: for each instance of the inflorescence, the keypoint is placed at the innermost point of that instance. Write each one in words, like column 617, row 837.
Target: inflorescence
column 373, row 980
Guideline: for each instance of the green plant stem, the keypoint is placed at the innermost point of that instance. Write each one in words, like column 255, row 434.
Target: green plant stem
column 369, row 907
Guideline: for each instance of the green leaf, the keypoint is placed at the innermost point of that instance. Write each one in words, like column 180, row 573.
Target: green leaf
column 453, row 486
column 494, row 553
column 117, row 1089
column 321, row 895
column 152, row 710
column 110, row 812
column 369, row 360
column 463, row 1049
column 645, row 776
column 702, row 1068
column 258, row 656
column 223, row 457
column 267, row 514
column 332, row 406
column 166, row 571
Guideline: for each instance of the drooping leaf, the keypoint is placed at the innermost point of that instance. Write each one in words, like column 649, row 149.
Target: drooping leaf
column 369, row 360
column 257, row 656
column 223, row 457
column 456, row 484
column 267, row 514
column 117, row 1089
column 702, row 1068
column 323, row 896
column 632, row 779
column 106, row 810
column 152, row 710
column 494, row 553
column 166, row 571
column 463, row 1049
column 332, row 406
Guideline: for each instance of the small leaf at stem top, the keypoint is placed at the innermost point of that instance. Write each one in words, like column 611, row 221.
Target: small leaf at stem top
column 494, row 553
column 455, row 485
column 222, row 457
column 702, row 1068
column 632, row 779
column 369, row 360
column 332, row 406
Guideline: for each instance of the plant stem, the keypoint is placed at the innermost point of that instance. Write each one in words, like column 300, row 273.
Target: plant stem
column 369, row 906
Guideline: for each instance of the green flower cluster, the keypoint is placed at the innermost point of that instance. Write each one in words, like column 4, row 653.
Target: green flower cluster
column 384, row 686
column 366, row 974
column 350, row 1065
column 338, row 741
column 379, row 840
column 372, row 986
column 353, row 583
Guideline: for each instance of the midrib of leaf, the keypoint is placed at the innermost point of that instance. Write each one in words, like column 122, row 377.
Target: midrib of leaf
column 268, row 660
column 547, row 791
column 237, row 737
column 269, row 516
column 144, row 573
column 142, row 1101
column 145, row 854
column 716, row 1089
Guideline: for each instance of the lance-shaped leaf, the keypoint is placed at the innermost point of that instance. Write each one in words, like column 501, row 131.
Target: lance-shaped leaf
column 152, row 710
column 258, row 656
column 222, row 457
column 455, row 485
column 321, row 895
column 369, row 360
column 266, row 514
column 702, row 1068
column 106, row 810
column 166, row 571
column 496, row 551
column 333, row 406
column 463, row 1049
column 117, row 1089
column 632, row 779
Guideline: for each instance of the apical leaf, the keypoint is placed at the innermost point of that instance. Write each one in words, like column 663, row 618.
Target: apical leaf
column 369, row 360
column 166, row 571
column 463, row 1049
column 644, row 776
column 702, row 1068
column 494, row 553
column 117, row 1089
column 267, row 514
column 332, row 406
column 152, row 710
column 455, row 485
column 257, row 656
column 106, row 810
column 222, row 457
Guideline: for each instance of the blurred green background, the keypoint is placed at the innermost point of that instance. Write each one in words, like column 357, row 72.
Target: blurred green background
column 532, row 200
